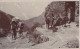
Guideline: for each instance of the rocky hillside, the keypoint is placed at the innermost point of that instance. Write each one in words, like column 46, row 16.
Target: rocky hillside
column 5, row 20
column 31, row 22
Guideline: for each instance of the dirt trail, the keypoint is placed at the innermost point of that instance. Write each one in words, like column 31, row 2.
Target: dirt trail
column 59, row 39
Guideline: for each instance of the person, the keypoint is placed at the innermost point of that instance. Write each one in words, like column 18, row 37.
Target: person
column 65, row 20
column 14, row 27
column 21, row 29
column 69, row 15
column 47, row 22
column 58, row 22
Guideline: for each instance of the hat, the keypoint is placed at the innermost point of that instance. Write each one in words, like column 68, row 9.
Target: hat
column 14, row 19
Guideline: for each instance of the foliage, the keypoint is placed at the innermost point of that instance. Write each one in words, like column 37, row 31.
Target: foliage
column 55, row 8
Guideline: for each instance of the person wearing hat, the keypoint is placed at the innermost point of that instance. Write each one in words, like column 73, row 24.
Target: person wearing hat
column 13, row 28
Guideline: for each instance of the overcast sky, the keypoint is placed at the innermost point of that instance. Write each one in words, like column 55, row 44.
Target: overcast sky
column 24, row 10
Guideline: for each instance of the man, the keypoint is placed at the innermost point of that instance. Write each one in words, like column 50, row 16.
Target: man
column 21, row 29
column 13, row 28
column 47, row 22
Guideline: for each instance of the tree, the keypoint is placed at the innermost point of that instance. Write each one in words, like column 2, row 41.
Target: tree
column 55, row 8
column 53, row 11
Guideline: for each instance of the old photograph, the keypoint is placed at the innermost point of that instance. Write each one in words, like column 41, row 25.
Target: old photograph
column 39, row 24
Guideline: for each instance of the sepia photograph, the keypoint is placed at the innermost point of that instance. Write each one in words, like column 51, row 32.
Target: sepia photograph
column 41, row 24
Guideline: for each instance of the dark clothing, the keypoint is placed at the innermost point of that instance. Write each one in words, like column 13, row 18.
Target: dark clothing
column 14, row 27
column 14, row 34
column 65, row 20
column 21, row 29
column 47, row 22
column 58, row 22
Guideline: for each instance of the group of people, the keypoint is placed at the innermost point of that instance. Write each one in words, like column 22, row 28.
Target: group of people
column 52, row 22
column 16, row 27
